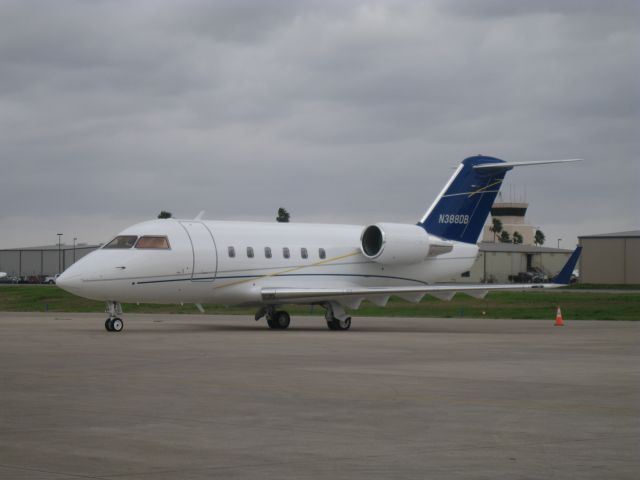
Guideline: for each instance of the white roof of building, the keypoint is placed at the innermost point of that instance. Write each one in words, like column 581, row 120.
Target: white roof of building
column 631, row 233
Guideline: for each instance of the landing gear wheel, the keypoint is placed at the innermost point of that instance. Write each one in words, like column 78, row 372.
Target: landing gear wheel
column 117, row 324
column 107, row 325
column 336, row 324
column 282, row 320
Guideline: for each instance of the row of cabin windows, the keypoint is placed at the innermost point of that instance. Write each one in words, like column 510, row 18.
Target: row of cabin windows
column 286, row 253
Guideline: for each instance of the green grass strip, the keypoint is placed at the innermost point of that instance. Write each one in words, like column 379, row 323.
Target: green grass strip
column 518, row 305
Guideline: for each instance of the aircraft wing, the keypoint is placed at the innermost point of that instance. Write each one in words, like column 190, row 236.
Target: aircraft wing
column 352, row 297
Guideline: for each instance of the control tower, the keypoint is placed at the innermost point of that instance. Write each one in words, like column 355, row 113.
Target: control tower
column 511, row 214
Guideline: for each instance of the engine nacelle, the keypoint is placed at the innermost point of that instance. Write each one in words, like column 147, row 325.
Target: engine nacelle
column 400, row 244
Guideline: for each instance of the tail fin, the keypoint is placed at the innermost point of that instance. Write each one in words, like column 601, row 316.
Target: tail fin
column 462, row 208
column 564, row 277
column 464, row 204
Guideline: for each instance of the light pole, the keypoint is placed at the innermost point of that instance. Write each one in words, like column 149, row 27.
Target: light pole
column 559, row 240
column 74, row 249
column 59, row 257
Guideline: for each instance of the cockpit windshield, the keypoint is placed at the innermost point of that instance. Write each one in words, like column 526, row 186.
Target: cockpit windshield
column 122, row 241
column 155, row 242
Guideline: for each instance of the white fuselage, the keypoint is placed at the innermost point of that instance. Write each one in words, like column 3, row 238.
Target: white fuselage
column 197, row 268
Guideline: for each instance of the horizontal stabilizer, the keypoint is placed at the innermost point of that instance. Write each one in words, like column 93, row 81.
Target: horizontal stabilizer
column 510, row 165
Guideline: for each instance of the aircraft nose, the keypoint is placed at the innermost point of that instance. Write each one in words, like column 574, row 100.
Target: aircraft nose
column 69, row 281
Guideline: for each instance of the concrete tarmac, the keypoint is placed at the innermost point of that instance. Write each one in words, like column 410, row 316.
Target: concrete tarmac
column 197, row 396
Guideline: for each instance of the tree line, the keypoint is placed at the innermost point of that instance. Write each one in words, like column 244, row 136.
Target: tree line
column 504, row 237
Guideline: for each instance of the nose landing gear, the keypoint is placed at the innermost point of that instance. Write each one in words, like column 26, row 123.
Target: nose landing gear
column 113, row 323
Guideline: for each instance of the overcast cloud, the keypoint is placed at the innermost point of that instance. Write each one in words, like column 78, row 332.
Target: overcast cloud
column 341, row 111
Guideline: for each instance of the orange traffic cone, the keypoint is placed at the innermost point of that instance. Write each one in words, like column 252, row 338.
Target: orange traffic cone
column 559, row 321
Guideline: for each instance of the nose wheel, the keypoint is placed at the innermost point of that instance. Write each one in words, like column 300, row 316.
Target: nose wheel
column 114, row 323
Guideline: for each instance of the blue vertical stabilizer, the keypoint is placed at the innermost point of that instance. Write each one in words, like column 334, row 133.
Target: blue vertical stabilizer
column 462, row 208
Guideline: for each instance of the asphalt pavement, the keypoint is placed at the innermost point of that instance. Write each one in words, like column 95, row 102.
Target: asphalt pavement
column 198, row 396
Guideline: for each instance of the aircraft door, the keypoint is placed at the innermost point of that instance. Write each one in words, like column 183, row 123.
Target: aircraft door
column 205, row 256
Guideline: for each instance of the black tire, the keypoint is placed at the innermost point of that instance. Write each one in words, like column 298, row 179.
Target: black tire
column 271, row 321
column 336, row 324
column 283, row 320
column 345, row 325
column 117, row 324
column 331, row 324
column 107, row 325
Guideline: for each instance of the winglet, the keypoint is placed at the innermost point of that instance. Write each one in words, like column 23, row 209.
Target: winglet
column 564, row 277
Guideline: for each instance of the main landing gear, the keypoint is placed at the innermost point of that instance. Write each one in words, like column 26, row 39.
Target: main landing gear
column 279, row 320
column 336, row 317
column 276, row 319
column 114, row 323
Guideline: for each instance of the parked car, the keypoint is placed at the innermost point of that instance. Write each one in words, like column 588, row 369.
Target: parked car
column 9, row 279
column 538, row 276
column 534, row 275
column 51, row 280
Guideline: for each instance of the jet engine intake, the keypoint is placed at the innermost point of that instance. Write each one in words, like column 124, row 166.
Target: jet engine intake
column 400, row 244
column 395, row 243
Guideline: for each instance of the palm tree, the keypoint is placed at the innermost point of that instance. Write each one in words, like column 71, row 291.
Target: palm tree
column 517, row 237
column 504, row 237
column 496, row 228
column 539, row 238
column 164, row 214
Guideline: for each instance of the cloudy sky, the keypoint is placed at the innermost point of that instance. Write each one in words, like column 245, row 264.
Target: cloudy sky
column 340, row 111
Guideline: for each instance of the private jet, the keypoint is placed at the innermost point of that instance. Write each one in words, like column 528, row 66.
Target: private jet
column 271, row 265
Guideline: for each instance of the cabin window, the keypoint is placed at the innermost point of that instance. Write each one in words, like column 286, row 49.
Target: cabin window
column 304, row 253
column 321, row 253
column 267, row 252
column 231, row 251
column 285, row 252
column 122, row 241
column 250, row 252
column 153, row 242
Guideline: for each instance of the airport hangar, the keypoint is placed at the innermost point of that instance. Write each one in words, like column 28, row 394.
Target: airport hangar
column 611, row 258
column 42, row 261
